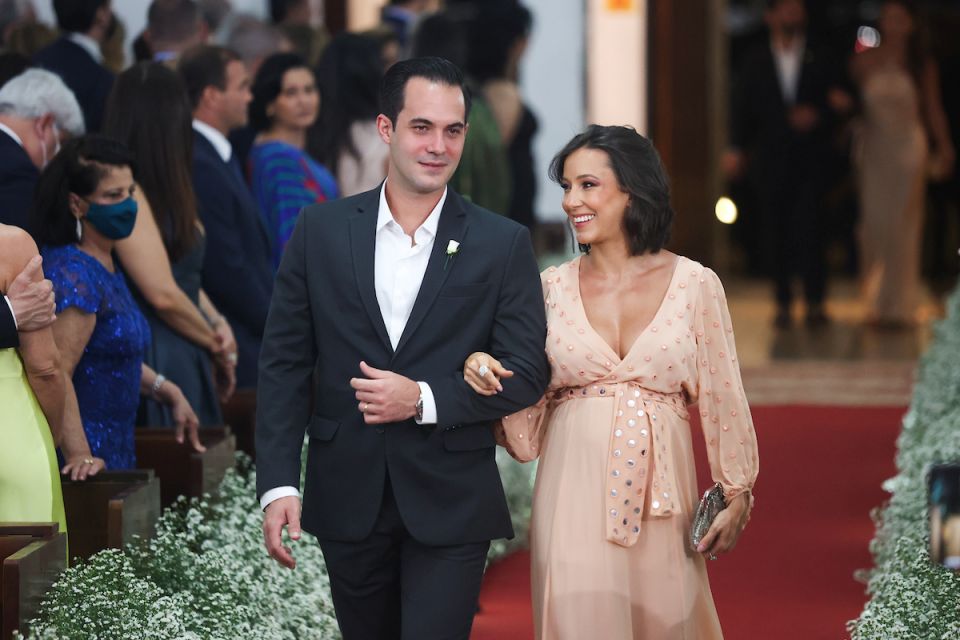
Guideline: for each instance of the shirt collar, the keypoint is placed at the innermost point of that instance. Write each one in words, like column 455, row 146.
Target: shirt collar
column 13, row 134
column 88, row 44
column 798, row 45
column 217, row 139
column 385, row 216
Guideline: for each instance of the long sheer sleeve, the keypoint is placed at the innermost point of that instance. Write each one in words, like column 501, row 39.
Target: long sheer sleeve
column 724, row 413
column 521, row 433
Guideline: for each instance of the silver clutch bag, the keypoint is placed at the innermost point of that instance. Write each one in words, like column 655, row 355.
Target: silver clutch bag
column 711, row 504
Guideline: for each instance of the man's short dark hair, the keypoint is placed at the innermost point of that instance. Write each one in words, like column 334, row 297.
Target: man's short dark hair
column 280, row 9
column 394, row 83
column 76, row 16
column 640, row 174
column 173, row 20
column 205, row 66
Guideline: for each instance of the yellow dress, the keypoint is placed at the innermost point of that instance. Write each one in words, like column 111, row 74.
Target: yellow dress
column 29, row 478
column 616, row 487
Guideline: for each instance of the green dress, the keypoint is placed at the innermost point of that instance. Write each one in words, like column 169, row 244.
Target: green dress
column 29, row 478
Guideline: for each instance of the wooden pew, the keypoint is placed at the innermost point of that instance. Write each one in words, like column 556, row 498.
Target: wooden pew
column 183, row 471
column 108, row 509
column 240, row 413
column 33, row 556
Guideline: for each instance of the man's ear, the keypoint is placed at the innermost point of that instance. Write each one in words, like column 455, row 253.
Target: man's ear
column 210, row 96
column 44, row 122
column 385, row 128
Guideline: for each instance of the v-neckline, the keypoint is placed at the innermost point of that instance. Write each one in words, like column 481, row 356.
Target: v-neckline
column 583, row 311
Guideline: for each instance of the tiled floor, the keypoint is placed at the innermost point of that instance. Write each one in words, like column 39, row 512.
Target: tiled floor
column 845, row 362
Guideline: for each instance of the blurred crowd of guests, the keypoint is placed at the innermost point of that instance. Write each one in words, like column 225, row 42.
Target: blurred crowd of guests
column 803, row 118
column 160, row 196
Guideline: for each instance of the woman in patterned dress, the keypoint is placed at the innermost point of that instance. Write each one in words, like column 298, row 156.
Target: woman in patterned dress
column 636, row 334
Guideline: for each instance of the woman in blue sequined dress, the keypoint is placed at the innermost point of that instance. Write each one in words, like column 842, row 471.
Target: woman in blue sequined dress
column 83, row 206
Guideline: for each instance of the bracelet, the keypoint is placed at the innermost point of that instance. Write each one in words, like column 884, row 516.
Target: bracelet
column 157, row 383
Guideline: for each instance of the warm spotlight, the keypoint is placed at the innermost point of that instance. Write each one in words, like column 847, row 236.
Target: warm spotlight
column 726, row 210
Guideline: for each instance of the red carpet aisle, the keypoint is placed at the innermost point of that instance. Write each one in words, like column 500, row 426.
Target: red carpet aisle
column 791, row 577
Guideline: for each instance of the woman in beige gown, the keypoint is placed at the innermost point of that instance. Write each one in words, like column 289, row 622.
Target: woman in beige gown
column 900, row 93
column 635, row 336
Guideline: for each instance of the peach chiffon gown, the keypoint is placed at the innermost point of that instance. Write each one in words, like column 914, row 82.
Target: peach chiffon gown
column 616, row 488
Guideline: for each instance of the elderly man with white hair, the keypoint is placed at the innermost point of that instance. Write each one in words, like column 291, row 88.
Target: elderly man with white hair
column 36, row 111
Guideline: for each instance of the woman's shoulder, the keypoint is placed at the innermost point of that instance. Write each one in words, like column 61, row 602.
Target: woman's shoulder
column 700, row 276
column 275, row 151
column 68, row 261
column 16, row 246
column 560, row 271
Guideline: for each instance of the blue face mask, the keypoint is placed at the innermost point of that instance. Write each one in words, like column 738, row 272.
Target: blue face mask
column 114, row 221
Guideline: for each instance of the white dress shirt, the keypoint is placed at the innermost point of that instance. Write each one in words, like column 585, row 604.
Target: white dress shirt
column 88, row 44
column 12, row 314
column 13, row 134
column 399, row 267
column 788, row 61
column 219, row 141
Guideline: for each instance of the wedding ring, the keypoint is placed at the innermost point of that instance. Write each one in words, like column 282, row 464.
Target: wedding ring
column 483, row 370
column 88, row 461
column 232, row 357
column 363, row 407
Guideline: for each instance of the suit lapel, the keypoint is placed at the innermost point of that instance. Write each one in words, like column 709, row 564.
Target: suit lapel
column 363, row 242
column 452, row 226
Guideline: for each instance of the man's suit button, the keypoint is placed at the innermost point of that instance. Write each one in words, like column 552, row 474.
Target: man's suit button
column 379, row 430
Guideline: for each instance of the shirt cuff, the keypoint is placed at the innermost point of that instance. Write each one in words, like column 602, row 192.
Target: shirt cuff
column 276, row 494
column 12, row 314
column 429, row 405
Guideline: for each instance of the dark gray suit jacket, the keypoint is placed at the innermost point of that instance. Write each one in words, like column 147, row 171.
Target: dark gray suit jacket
column 324, row 319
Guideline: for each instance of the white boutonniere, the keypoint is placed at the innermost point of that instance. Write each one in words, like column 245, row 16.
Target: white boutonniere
column 453, row 247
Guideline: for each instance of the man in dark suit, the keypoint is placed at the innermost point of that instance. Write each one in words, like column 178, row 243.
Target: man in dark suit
column 782, row 119
column 36, row 110
column 237, row 272
column 378, row 301
column 76, row 55
column 30, row 304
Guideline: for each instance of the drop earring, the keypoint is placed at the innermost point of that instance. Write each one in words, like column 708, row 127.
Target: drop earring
column 79, row 231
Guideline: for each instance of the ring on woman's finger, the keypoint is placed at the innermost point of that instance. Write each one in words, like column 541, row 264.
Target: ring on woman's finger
column 483, row 370
column 88, row 461
column 363, row 407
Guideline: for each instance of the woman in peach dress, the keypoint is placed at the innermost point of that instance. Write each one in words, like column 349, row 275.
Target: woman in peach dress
column 636, row 334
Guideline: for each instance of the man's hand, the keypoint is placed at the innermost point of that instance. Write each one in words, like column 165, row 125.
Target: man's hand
column 282, row 512
column 384, row 396
column 32, row 298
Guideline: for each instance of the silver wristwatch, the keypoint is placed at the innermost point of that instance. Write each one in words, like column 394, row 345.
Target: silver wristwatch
column 419, row 409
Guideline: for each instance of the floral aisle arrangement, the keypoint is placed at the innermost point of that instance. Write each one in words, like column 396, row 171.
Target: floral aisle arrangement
column 205, row 575
column 911, row 597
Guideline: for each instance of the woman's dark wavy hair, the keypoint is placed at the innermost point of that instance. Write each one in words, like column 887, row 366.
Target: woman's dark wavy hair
column 640, row 173
column 348, row 76
column 149, row 111
column 78, row 168
column 268, row 84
